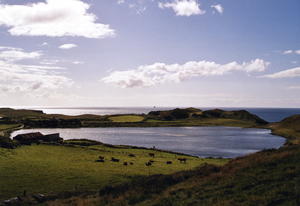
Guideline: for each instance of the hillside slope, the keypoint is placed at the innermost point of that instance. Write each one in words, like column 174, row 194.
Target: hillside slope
column 289, row 128
column 270, row 177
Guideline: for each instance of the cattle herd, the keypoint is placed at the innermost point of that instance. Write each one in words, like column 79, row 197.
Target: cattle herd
column 149, row 163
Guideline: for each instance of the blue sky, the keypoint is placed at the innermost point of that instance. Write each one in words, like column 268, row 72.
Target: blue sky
column 150, row 53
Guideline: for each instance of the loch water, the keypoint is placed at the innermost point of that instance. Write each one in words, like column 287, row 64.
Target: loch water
column 226, row 142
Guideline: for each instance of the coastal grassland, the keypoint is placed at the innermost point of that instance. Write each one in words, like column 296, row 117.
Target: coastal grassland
column 5, row 130
column 7, row 127
column 203, row 122
column 148, row 122
column 51, row 169
column 288, row 128
column 126, row 118
column 266, row 178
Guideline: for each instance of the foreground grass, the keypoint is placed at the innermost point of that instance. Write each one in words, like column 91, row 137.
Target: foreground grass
column 126, row 118
column 267, row 178
column 50, row 169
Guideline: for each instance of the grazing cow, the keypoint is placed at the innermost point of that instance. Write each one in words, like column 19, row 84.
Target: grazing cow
column 131, row 163
column 182, row 160
column 115, row 159
column 131, row 155
column 152, row 161
column 148, row 164
column 169, row 162
column 151, row 154
column 101, row 158
column 125, row 163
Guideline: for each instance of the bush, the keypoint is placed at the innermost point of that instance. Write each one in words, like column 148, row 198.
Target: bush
column 8, row 143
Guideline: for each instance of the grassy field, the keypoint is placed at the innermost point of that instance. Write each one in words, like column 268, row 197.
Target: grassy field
column 267, row 178
column 50, row 169
column 126, row 118
column 6, row 127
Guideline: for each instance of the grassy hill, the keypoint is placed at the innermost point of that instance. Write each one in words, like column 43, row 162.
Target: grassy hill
column 270, row 177
column 52, row 169
column 289, row 128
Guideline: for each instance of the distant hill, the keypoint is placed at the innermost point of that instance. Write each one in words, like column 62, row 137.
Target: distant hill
column 292, row 122
column 179, row 114
column 174, row 114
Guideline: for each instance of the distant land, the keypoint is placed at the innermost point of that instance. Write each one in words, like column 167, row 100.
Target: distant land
column 269, row 114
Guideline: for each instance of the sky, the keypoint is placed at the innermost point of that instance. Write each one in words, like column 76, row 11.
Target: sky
column 202, row 53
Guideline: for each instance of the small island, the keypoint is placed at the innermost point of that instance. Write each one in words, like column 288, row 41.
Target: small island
column 96, row 173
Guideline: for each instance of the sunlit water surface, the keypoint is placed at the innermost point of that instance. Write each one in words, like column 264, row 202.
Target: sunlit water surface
column 226, row 142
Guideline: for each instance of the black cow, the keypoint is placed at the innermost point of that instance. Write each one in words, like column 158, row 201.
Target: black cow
column 182, row 160
column 151, row 154
column 169, row 162
column 100, row 160
column 115, row 159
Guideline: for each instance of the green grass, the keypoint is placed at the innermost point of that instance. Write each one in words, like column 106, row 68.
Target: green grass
column 8, row 126
column 5, row 128
column 266, row 178
column 126, row 118
column 52, row 169
column 288, row 128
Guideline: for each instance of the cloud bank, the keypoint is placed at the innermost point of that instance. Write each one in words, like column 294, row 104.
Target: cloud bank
column 183, row 7
column 53, row 18
column 289, row 73
column 158, row 73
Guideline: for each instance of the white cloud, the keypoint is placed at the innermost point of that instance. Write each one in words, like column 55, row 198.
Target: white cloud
column 67, row 46
column 183, row 7
column 44, row 44
column 15, row 77
column 218, row 8
column 291, row 52
column 288, row 52
column 158, row 73
column 78, row 62
column 54, row 18
column 294, row 87
column 289, row 73
column 120, row 1
column 16, row 54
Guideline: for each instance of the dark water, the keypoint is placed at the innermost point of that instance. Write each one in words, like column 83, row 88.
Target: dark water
column 226, row 142
column 268, row 114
